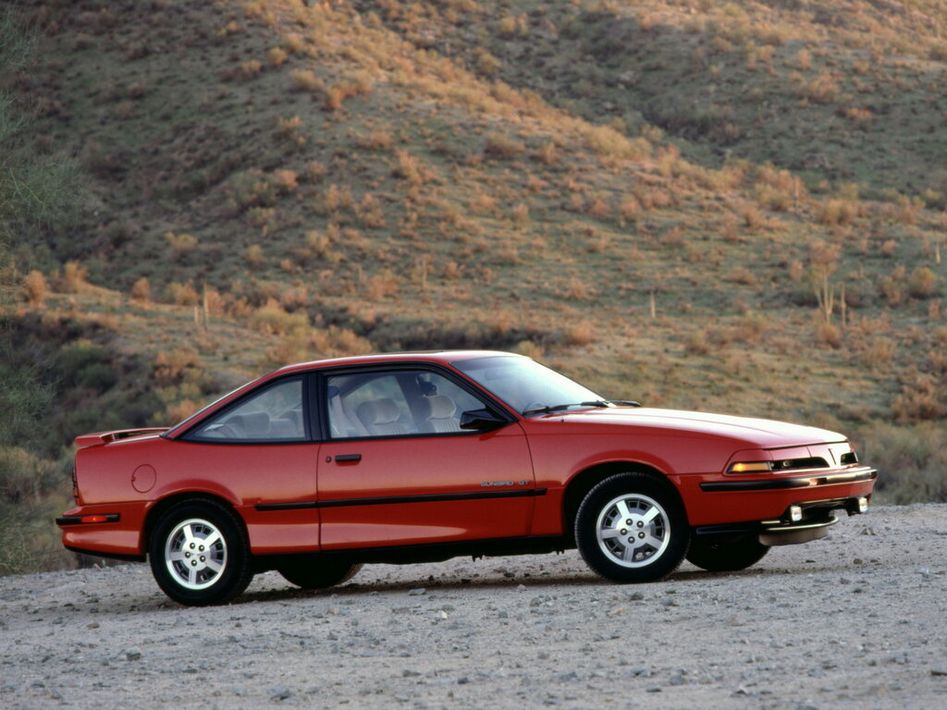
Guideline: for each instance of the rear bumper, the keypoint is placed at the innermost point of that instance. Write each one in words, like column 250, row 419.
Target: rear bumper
column 112, row 530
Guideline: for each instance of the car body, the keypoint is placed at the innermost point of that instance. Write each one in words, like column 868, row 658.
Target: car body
column 318, row 467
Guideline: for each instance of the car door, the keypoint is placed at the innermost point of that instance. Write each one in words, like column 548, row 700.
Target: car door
column 260, row 452
column 396, row 468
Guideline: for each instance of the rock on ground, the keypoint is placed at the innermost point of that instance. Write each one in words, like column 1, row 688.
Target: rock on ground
column 856, row 620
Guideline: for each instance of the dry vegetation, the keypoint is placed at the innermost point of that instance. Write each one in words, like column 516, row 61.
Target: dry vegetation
column 725, row 206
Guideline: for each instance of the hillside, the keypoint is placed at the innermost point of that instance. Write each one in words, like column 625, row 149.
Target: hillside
column 719, row 206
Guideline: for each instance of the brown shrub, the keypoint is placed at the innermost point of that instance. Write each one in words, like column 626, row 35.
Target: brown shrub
column 923, row 282
column 369, row 212
column 822, row 89
column 272, row 319
column 305, row 80
column 181, row 244
column 249, row 68
column 879, row 354
column 35, row 289
column 382, row 285
column 285, row 181
column 254, row 255
column 74, row 277
column 837, row 212
column 141, row 290
column 501, row 146
column 183, row 294
column 408, row 168
column 828, row 334
column 172, row 368
column 378, row 139
column 520, row 215
column 580, row 334
column 921, row 398
column 277, row 56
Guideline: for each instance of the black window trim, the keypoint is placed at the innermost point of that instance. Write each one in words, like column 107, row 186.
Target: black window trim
column 322, row 403
column 190, row 436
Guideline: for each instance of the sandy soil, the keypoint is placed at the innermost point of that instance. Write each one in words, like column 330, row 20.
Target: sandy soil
column 856, row 620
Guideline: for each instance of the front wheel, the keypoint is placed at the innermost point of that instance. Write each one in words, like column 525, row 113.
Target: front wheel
column 727, row 556
column 199, row 553
column 317, row 572
column 632, row 528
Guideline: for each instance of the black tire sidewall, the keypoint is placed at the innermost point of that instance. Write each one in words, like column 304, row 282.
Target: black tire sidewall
column 726, row 556
column 236, row 575
column 312, row 572
column 606, row 491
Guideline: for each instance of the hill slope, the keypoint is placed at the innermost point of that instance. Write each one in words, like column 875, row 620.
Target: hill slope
column 717, row 206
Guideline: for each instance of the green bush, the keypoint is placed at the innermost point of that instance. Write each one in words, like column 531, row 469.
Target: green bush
column 911, row 461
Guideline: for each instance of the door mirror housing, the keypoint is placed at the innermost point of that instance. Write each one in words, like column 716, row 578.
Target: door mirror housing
column 481, row 420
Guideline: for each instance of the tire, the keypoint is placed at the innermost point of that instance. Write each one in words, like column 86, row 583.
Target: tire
column 318, row 572
column 646, row 549
column 726, row 556
column 189, row 569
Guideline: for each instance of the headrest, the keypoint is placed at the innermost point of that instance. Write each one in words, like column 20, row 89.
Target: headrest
column 441, row 407
column 255, row 425
column 378, row 411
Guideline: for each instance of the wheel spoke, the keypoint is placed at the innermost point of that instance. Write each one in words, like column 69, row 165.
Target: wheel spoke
column 176, row 556
column 650, row 515
column 192, row 576
column 188, row 535
column 623, row 509
column 629, row 554
column 212, row 538
column 214, row 565
column 609, row 533
column 652, row 541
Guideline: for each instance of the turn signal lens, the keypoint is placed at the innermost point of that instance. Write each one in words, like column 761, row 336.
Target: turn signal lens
column 94, row 519
column 751, row 467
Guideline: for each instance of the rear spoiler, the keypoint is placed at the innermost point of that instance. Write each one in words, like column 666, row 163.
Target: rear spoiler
column 84, row 441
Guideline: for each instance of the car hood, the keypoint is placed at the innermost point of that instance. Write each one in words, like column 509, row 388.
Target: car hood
column 766, row 433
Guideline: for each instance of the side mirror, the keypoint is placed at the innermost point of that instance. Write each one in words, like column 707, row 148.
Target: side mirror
column 481, row 420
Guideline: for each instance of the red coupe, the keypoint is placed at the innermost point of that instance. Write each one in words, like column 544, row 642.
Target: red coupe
column 319, row 467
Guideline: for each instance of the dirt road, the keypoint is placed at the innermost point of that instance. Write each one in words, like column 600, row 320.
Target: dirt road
column 856, row 620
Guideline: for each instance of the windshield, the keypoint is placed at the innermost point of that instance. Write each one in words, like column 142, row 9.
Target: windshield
column 524, row 384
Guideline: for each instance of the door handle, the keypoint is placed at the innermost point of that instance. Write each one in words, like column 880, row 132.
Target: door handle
column 348, row 458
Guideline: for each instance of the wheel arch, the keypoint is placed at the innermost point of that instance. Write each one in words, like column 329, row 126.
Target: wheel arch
column 158, row 509
column 585, row 480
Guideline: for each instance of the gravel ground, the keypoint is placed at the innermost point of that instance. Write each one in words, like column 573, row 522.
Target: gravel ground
column 858, row 619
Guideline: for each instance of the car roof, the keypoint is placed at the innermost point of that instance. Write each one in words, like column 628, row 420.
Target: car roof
column 441, row 357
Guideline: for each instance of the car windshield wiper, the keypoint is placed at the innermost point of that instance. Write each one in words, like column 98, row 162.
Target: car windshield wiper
column 562, row 407
column 593, row 403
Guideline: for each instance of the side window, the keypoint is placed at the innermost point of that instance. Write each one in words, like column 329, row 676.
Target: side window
column 443, row 402
column 401, row 403
column 368, row 404
column 275, row 414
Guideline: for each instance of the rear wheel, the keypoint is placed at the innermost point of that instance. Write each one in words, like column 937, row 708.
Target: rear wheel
column 199, row 553
column 318, row 572
column 726, row 556
column 632, row 528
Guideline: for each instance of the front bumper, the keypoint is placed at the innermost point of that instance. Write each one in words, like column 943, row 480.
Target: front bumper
column 802, row 522
column 731, row 499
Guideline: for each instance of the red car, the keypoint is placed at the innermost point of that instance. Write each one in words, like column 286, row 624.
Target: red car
column 319, row 467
